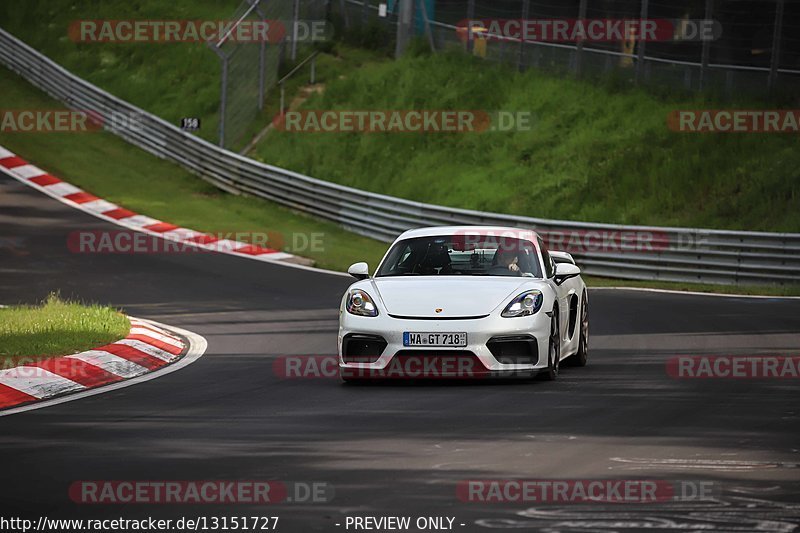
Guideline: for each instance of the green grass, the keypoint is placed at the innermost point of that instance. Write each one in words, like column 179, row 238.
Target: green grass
column 172, row 80
column 57, row 327
column 108, row 167
column 763, row 290
column 597, row 152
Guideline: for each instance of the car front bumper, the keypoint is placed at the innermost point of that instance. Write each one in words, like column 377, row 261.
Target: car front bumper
column 397, row 360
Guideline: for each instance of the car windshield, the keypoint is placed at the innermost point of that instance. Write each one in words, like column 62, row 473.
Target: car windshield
column 475, row 255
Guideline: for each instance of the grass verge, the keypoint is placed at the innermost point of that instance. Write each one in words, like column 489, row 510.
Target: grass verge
column 597, row 151
column 754, row 290
column 57, row 327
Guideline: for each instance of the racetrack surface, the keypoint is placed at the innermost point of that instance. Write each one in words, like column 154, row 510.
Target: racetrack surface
column 396, row 449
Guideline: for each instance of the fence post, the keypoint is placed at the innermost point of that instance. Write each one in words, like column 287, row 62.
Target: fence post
column 223, row 102
column 706, row 48
column 428, row 30
column 470, row 16
column 526, row 9
column 295, row 20
column 404, row 20
column 345, row 18
column 579, row 48
column 364, row 13
column 261, row 60
column 640, row 45
column 776, row 46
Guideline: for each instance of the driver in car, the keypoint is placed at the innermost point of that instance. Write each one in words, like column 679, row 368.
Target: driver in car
column 505, row 263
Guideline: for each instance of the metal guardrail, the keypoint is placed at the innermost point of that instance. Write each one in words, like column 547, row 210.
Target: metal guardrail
column 675, row 254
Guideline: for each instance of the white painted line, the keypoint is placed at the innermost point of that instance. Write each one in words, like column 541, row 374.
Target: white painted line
column 28, row 171
column 37, row 382
column 197, row 347
column 148, row 349
column 693, row 293
column 181, row 234
column 62, row 189
column 277, row 256
column 110, row 363
column 138, row 221
column 145, row 325
column 98, row 206
column 225, row 245
column 155, row 335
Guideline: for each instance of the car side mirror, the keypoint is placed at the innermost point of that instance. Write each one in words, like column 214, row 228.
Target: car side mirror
column 565, row 271
column 359, row 270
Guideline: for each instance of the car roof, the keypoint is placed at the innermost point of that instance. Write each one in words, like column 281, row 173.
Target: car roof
column 493, row 231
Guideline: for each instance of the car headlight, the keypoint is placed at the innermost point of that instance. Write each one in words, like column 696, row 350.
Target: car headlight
column 527, row 303
column 360, row 303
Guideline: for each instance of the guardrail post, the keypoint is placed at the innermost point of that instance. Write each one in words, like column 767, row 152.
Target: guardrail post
column 313, row 77
column 776, row 47
column 640, row 44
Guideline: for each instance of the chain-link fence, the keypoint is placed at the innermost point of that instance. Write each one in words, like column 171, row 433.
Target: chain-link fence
column 250, row 67
column 755, row 50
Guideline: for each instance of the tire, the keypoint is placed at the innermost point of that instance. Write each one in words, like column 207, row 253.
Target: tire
column 553, row 350
column 581, row 357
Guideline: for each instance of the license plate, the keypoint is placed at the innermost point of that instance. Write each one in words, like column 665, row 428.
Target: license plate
column 415, row 338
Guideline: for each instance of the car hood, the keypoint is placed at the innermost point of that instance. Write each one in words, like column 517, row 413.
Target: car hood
column 456, row 296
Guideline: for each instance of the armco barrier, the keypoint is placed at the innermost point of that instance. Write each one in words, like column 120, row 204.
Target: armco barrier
column 711, row 256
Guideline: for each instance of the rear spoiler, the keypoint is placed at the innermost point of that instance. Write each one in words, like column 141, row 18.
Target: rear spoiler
column 562, row 257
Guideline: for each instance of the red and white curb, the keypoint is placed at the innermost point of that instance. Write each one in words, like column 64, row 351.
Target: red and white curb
column 149, row 351
column 37, row 178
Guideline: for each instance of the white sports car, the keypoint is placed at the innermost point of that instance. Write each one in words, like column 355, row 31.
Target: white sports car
column 464, row 301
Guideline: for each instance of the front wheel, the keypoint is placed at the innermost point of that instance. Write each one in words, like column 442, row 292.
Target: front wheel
column 553, row 350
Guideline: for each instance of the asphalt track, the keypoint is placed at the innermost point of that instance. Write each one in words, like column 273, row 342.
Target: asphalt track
column 395, row 449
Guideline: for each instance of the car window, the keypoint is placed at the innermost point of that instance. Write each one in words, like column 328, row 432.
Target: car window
column 475, row 255
column 549, row 266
